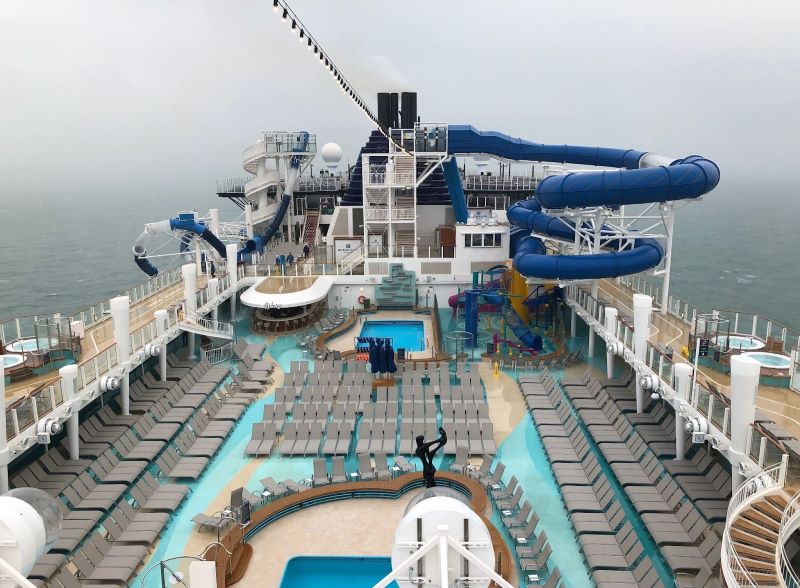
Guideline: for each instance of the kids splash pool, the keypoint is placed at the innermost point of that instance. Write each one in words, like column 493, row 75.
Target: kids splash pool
column 336, row 572
column 12, row 360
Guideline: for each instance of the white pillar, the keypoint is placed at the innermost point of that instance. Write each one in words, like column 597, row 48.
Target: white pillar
column 683, row 384
column 642, row 308
column 670, row 222
column 744, row 390
column 233, row 277
column 121, row 319
column 213, row 290
column 576, row 250
column 213, row 223
column 189, row 273
column 69, row 375
column 248, row 220
column 3, row 435
column 161, row 329
column 611, row 327
column 598, row 223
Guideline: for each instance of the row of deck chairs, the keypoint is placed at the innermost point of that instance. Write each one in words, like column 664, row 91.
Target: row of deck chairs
column 518, row 518
column 377, row 436
column 332, row 320
column 366, row 471
column 118, row 481
column 607, row 538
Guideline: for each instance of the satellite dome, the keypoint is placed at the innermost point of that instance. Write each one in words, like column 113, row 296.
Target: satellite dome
column 331, row 154
column 481, row 160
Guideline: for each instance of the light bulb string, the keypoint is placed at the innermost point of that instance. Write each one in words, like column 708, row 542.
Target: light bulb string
column 345, row 84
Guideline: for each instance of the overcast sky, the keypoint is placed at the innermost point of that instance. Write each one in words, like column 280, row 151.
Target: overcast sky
column 130, row 94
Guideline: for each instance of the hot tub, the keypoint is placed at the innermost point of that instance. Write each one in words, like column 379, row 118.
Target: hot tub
column 740, row 342
column 774, row 361
column 12, row 360
column 20, row 345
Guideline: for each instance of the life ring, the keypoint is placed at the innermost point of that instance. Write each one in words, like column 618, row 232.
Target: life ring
column 362, row 299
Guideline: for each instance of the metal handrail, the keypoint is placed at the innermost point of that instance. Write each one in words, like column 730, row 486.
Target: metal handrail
column 209, row 324
column 790, row 517
column 735, row 572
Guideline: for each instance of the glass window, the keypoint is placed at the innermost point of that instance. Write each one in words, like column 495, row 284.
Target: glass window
column 467, row 240
column 477, row 240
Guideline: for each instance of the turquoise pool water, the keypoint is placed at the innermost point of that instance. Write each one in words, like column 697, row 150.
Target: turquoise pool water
column 11, row 360
column 335, row 572
column 744, row 342
column 21, row 345
column 408, row 335
column 771, row 360
column 524, row 456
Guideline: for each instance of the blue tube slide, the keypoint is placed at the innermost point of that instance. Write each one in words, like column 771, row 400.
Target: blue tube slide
column 258, row 242
column 182, row 222
column 639, row 181
column 452, row 177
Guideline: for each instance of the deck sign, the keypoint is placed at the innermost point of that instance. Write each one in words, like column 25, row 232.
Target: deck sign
column 703, row 348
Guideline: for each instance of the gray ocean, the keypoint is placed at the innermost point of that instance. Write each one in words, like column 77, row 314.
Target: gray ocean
column 735, row 249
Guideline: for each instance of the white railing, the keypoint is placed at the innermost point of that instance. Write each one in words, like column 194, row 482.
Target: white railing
column 735, row 572
column 491, row 183
column 223, row 328
column 215, row 355
column 789, row 524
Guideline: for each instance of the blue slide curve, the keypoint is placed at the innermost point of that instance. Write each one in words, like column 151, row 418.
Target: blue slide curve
column 182, row 222
column 641, row 178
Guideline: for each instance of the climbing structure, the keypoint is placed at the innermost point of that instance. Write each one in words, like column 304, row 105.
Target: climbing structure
column 398, row 290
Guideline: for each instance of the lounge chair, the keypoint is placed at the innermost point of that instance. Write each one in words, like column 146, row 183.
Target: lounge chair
column 207, row 522
column 365, row 471
column 382, row 471
column 320, row 477
column 338, row 475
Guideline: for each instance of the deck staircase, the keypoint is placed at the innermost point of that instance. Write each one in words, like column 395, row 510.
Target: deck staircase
column 310, row 231
column 754, row 535
column 404, row 243
column 200, row 325
column 398, row 290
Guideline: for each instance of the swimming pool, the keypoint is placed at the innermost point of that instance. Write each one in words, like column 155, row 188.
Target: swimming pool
column 743, row 342
column 12, row 360
column 408, row 335
column 336, row 572
column 771, row 360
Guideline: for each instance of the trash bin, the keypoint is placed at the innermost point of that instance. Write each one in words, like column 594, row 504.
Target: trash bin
column 401, row 353
column 366, row 303
column 489, row 347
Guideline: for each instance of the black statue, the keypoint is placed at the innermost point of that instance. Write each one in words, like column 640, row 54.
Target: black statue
column 426, row 452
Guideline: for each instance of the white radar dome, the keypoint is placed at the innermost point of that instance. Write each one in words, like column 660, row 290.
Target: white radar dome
column 481, row 160
column 331, row 154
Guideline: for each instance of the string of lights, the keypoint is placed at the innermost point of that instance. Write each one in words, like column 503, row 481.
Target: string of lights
column 282, row 8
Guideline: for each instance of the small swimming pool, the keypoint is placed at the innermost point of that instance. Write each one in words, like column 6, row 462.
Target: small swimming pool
column 12, row 360
column 20, row 345
column 771, row 360
column 336, row 572
column 742, row 342
column 408, row 335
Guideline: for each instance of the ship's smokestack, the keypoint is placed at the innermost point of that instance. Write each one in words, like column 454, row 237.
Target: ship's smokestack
column 384, row 110
column 389, row 110
column 408, row 114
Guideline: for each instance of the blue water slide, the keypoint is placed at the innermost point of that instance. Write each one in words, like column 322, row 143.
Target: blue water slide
column 643, row 178
column 183, row 222
column 258, row 242
column 452, row 177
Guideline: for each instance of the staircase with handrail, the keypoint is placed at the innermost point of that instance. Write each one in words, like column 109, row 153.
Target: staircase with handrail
column 750, row 545
column 200, row 325
column 310, row 230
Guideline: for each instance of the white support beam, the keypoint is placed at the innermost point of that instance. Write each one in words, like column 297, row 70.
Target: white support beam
column 4, row 456
column 69, row 378
column 745, row 373
column 642, row 308
column 121, row 319
column 161, row 330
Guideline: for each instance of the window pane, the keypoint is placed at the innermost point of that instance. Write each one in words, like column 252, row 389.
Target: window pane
column 467, row 240
column 477, row 240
